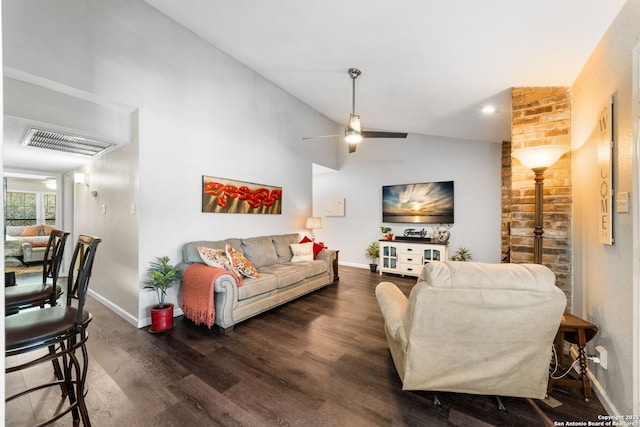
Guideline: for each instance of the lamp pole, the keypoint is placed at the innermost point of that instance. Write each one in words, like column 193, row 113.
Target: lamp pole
column 539, row 217
column 538, row 159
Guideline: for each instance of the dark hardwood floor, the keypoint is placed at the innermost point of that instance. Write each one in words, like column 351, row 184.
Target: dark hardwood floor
column 321, row 360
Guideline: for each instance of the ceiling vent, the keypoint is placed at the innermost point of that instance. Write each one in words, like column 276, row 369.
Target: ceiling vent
column 51, row 140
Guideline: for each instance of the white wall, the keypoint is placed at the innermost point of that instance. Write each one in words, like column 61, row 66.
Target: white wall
column 603, row 275
column 107, row 214
column 199, row 112
column 473, row 166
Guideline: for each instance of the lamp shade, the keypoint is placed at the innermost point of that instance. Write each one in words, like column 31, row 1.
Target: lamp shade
column 314, row 223
column 542, row 156
column 353, row 132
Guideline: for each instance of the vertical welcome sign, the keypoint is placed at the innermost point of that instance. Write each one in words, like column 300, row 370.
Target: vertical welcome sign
column 605, row 170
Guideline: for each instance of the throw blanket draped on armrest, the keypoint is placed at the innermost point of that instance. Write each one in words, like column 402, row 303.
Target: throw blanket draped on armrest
column 197, row 293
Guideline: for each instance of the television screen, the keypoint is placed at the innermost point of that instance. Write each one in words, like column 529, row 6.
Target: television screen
column 427, row 203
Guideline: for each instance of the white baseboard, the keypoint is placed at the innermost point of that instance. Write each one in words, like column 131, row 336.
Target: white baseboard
column 354, row 264
column 115, row 308
column 598, row 389
column 138, row 323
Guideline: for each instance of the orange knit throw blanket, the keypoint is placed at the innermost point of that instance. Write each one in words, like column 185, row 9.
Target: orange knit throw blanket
column 197, row 293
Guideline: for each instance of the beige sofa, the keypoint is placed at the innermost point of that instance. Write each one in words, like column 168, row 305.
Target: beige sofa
column 280, row 280
column 28, row 243
column 474, row 328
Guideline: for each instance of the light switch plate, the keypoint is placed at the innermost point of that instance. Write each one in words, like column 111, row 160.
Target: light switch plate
column 622, row 202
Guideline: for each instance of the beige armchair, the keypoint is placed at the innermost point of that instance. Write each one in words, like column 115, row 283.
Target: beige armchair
column 474, row 328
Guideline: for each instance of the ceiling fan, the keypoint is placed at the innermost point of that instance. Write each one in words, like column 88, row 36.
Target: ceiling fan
column 353, row 132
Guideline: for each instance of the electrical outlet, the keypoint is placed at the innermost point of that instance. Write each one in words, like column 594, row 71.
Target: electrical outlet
column 602, row 355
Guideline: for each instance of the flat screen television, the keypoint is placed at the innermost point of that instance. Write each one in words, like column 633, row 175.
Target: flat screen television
column 423, row 203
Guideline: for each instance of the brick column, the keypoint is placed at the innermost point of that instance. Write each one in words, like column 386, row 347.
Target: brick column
column 541, row 116
column 505, row 232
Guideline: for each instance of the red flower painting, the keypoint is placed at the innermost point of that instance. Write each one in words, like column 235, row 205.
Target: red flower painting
column 228, row 196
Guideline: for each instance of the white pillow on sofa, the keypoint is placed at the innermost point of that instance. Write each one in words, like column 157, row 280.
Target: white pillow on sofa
column 302, row 252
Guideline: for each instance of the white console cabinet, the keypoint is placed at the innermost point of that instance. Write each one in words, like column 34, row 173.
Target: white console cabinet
column 407, row 257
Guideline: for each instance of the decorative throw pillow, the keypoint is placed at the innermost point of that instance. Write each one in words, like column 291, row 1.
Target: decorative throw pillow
column 210, row 257
column 47, row 229
column 218, row 258
column 240, row 262
column 302, row 252
column 316, row 246
column 31, row 230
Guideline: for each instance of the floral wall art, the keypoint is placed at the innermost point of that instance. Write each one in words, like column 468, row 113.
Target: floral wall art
column 223, row 195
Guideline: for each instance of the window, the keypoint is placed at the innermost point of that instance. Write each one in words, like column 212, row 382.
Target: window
column 49, row 202
column 30, row 208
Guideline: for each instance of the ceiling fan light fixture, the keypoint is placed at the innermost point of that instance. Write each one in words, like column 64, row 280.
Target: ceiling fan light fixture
column 352, row 136
column 353, row 131
column 354, row 123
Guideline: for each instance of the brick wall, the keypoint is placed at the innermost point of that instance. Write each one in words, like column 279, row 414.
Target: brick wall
column 540, row 116
column 505, row 233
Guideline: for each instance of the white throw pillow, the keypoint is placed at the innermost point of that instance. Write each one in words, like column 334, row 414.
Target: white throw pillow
column 302, row 252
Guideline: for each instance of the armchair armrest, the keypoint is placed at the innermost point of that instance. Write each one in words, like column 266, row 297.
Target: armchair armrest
column 393, row 305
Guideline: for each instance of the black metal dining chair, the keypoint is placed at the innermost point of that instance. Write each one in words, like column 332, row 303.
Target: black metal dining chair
column 62, row 328
column 24, row 296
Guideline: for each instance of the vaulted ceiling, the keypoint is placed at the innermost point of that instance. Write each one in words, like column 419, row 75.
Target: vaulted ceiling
column 428, row 66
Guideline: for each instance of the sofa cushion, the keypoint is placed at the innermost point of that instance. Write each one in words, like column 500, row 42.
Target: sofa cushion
column 311, row 268
column 31, row 230
column 217, row 258
column 253, row 287
column 317, row 247
column 260, row 251
column 302, row 252
column 190, row 252
column 47, row 229
column 287, row 274
column 282, row 242
column 240, row 262
column 210, row 257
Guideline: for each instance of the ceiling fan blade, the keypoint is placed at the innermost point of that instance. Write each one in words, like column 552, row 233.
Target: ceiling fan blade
column 319, row 136
column 352, row 147
column 383, row 134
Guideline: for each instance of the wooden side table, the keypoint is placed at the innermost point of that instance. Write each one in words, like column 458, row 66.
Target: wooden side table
column 335, row 267
column 575, row 331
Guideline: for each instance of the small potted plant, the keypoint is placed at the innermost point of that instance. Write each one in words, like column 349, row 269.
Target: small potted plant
column 386, row 233
column 162, row 276
column 462, row 254
column 373, row 253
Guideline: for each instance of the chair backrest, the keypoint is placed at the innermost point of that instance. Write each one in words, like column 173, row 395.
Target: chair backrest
column 482, row 328
column 53, row 256
column 80, row 272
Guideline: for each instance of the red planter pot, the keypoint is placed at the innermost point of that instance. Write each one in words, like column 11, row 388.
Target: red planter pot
column 161, row 318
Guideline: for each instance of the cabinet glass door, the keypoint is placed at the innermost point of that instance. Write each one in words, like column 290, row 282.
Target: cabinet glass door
column 431, row 255
column 389, row 257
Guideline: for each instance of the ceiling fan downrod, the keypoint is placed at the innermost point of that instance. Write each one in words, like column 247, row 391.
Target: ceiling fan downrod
column 354, row 73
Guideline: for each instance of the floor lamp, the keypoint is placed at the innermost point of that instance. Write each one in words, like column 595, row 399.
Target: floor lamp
column 538, row 159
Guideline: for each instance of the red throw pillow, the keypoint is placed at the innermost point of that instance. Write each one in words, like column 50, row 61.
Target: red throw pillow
column 316, row 247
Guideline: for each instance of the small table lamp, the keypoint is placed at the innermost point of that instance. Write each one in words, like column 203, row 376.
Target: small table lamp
column 314, row 223
column 538, row 159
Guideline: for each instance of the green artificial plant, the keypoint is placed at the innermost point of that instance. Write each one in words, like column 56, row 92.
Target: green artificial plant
column 373, row 251
column 462, row 254
column 162, row 276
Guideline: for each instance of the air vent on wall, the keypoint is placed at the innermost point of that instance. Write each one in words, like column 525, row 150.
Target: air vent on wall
column 52, row 140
